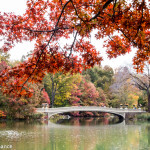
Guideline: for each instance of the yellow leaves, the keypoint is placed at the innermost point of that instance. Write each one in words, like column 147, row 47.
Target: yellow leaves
column 133, row 99
column 68, row 94
column 23, row 100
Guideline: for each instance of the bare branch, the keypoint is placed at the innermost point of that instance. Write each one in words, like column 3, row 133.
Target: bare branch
column 139, row 82
column 73, row 44
column 48, row 31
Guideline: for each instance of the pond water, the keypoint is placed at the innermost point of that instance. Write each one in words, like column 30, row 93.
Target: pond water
column 75, row 134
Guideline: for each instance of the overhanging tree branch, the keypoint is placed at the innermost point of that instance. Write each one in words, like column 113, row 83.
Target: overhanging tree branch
column 46, row 44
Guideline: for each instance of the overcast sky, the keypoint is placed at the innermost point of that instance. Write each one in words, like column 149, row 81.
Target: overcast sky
column 19, row 6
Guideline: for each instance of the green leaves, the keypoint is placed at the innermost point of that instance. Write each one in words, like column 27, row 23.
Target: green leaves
column 59, row 87
column 101, row 77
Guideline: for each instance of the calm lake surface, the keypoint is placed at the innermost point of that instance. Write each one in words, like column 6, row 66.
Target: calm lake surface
column 75, row 134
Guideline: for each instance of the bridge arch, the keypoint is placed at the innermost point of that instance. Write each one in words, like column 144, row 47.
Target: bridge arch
column 121, row 116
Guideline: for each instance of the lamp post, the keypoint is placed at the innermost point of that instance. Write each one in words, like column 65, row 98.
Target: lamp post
column 134, row 106
column 126, row 106
column 140, row 106
column 121, row 106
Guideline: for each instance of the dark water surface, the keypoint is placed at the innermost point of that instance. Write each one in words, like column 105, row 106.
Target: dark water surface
column 75, row 134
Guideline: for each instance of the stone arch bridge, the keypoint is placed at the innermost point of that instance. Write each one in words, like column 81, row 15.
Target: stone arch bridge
column 121, row 113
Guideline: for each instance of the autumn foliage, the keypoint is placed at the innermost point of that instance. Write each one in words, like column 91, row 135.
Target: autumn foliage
column 46, row 97
column 47, row 22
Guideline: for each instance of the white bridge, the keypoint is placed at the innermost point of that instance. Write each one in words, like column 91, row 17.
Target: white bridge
column 116, row 111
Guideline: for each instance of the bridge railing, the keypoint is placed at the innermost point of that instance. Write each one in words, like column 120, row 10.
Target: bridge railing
column 88, row 108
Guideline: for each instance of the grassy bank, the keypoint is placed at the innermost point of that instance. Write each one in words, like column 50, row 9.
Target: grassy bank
column 143, row 117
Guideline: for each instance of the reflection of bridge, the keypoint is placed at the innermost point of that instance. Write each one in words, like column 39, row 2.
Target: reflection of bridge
column 116, row 111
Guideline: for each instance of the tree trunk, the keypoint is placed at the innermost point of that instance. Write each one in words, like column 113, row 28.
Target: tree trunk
column 148, row 94
column 52, row 100
column 53, row 93
column 52, row 97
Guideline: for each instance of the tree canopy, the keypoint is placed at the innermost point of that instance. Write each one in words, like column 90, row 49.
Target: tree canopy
column 142, row 82
column 125, row 23
column 101, row 77
column 123, row 89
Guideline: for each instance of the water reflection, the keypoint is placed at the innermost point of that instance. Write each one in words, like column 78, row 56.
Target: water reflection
column 148, row 134
column 88, row 121
column 84, row 135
